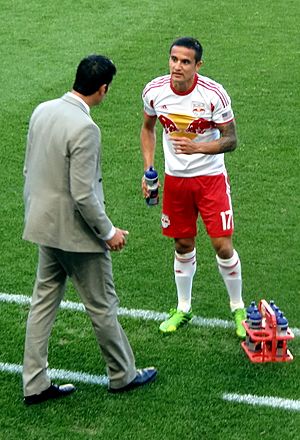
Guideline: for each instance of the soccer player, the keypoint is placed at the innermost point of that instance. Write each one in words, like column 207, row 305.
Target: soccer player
column 199, row 127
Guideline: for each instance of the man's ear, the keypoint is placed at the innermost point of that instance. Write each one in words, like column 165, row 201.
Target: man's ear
column 103, row 89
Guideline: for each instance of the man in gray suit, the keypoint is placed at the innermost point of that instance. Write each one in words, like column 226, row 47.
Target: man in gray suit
column 65, row 216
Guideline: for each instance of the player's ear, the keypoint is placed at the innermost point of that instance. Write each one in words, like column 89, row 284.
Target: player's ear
column 199, row 64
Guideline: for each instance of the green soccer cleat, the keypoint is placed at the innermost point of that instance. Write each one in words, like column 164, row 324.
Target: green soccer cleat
column 175, row 320
column 239, row 317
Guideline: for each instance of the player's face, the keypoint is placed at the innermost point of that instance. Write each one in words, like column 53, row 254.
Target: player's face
column 183, row 67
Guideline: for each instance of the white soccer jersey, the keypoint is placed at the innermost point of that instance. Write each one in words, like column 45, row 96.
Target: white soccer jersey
column 194, row 114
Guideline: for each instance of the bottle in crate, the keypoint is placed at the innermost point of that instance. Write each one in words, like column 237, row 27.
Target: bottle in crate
column 281, row 330
column 255, row 323
column 249, row 310
column 274, row 307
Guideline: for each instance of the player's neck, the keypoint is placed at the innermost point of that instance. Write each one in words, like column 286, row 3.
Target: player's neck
column 183, row 86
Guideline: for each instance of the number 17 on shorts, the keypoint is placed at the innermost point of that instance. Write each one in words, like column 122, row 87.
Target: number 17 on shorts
column 227, row 220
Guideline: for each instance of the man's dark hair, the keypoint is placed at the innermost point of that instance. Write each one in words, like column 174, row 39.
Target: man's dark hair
column 189, row 43
column 92, row 72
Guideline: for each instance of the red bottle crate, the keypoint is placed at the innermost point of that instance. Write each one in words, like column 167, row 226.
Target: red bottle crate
column 270, row 347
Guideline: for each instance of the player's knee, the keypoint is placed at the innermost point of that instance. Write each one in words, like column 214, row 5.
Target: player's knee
column 184, row 245
column 225, row 253
column 223, row 247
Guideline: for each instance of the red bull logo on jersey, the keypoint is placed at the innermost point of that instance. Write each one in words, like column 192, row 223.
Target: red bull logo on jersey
column 198, row 108
column 168, row 124
column 184, row 125
column 199, row 126
column 165, row 221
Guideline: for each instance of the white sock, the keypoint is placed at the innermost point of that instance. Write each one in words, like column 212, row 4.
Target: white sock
column 232, row 275
column 184, row 271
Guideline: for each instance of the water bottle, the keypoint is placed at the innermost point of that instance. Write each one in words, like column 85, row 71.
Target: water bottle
column 255, row 321
column 281, row 330
column 249, row 310
column 272, row 304
column 274, row 307
column 151, row 179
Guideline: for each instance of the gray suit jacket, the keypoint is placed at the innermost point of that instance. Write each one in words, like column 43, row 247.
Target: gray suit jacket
column 63, row 195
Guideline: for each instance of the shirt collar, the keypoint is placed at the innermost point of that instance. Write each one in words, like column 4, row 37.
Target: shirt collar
column 80, row 100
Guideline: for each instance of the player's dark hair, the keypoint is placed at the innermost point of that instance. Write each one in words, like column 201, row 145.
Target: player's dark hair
column 189, row 43
column 92, row 72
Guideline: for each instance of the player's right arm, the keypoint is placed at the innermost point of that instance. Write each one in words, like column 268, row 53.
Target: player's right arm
column 148, row 140
column 148, row 143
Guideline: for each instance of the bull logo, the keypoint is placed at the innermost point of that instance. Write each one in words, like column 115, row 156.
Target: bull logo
column 184, row 125
column 168, row 124
column 198, row 108
column 200, row 126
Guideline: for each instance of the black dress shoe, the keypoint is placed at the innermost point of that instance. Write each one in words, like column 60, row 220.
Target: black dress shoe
column 143, row 376
column 53, row 392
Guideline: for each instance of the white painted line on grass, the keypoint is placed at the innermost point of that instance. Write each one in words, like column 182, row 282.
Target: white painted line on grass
column 132, row 313
column 60, row 374
column 274, row 402
column 211, row 322
column 73, row 376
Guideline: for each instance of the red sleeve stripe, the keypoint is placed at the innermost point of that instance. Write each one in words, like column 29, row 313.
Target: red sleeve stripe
column 155, row 84
column 214, row 88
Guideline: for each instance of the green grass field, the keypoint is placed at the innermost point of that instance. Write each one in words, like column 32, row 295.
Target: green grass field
column 251, row 48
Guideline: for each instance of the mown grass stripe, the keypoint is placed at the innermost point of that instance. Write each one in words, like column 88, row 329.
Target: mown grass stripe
column 274, row 402
column 75, row 376
column 132, row 313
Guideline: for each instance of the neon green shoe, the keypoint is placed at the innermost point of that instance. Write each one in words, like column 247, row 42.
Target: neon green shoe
column 239, row 316
column 175, row 320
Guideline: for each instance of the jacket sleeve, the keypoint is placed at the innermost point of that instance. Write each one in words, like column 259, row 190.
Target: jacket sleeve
column 86, row 190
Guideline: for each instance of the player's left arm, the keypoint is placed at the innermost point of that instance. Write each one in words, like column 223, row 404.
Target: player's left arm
column 226, row 142
column 228, row 139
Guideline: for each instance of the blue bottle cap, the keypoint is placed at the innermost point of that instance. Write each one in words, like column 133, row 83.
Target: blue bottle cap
column 151, row 173
column 250, row 308
column 255, row 315
column 281, row 320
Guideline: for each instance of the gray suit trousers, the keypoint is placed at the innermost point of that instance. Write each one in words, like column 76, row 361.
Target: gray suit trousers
column 91, row 274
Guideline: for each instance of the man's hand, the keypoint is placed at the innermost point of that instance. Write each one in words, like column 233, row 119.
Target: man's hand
column 227, row 142
column 183, row 145
column 118, row 241
column 145, row 190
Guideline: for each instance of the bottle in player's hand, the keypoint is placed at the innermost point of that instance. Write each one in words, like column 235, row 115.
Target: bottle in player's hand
column 151, row 179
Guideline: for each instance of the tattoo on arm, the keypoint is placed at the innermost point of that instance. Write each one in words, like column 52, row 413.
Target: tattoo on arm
column 228, row 139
